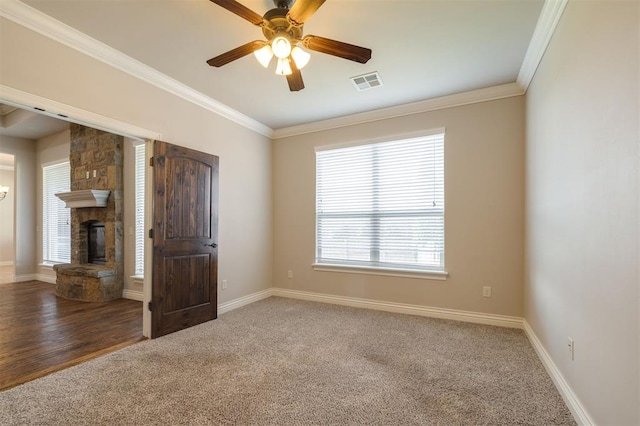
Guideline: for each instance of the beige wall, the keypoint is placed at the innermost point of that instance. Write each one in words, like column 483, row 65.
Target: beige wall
column 582, row 206
column 24, row 153
column 484, row 160
column 245, row 221
column 6, row 218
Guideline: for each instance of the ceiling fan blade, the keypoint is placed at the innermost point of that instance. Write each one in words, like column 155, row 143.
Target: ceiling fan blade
column 240, row 10
column 295, row 78
column 337, row 48
column 236, row 53
column 302, row 10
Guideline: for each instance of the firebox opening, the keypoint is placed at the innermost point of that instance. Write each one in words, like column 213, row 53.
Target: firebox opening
column 96, row 252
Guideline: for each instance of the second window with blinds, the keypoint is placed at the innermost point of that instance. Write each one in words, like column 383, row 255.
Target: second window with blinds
column 380, row 207
column 139, row 169
column 56, row 218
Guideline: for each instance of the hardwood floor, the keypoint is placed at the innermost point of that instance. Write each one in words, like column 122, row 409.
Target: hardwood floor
column 41, row 333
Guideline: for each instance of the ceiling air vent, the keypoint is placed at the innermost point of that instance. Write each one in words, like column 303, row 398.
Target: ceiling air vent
column 367, row 81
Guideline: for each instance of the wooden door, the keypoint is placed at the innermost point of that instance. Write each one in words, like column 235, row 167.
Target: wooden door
column 185, row 231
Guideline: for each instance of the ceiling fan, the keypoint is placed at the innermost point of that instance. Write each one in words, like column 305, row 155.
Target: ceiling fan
column 282, row 28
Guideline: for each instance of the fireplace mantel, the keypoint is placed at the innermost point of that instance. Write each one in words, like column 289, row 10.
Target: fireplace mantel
column 84, row 198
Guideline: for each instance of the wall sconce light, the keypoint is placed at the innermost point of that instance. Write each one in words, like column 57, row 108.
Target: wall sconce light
column 3, row 192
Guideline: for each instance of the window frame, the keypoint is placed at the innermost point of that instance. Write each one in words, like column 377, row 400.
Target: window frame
column 347, row 266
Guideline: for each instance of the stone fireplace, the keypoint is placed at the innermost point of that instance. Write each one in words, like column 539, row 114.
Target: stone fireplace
column 96, row 271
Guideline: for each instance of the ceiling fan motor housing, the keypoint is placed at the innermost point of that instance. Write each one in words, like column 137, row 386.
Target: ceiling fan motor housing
column 278, row 24
column 283, row 4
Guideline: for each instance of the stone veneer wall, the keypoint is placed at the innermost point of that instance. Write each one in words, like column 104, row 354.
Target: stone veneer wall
column 91, row 150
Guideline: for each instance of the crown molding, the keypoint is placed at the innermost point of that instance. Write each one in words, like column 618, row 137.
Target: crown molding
column 547, row 22
column 458, row 99
column 37, row 21
column 41, row 23
column 61, row 111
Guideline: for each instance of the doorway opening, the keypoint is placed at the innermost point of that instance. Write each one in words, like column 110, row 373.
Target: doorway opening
column 7, row 218
column 133, row 136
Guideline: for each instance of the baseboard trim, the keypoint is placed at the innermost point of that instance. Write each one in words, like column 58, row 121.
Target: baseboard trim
column 401, row 308
column 243, row 301
column 51, row 279
column 132, row 295
column 570, row 398
column 25, row 277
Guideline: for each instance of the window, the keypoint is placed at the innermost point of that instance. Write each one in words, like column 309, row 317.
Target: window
column 139, row 190
column 56, row 218
column 381, row 205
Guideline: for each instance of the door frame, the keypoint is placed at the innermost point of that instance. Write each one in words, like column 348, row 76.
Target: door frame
column 61, row 111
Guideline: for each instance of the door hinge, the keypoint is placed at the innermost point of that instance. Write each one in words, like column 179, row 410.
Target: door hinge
column 151, row 234
column 152, row 162
column 150, row 306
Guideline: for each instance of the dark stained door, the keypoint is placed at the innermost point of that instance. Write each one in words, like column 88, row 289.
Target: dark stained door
column 185, row 231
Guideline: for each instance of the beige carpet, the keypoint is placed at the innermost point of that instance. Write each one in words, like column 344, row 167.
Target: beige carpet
column 288, row 362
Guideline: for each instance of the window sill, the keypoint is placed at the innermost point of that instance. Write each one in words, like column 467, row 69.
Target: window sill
column 50, row 265
column 389, row 272
column 137, row 279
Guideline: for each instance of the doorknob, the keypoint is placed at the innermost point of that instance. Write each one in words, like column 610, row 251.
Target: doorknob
column 214, row 245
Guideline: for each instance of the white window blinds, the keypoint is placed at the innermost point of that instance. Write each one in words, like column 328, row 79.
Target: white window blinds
column 56, row 218
column 139, row 189
column 382, row 204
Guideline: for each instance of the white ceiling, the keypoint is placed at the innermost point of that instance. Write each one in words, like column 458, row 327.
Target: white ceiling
column 422, row 49
column 20, row 123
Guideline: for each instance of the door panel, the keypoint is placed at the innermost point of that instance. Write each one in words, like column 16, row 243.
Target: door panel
column 188, row 203
column 185, row 223
column 186, row 284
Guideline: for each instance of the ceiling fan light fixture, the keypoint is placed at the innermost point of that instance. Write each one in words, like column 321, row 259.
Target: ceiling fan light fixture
column 300, row 57
column 281, row 47
column 283, row 68
column 264, row 55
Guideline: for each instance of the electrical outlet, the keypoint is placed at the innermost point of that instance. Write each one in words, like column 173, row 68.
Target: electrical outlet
column 572, row 348
column 224, row 284
column 486, row 291
column 289, row 274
